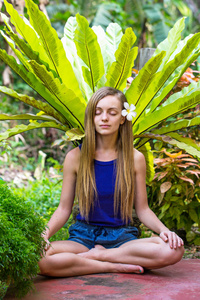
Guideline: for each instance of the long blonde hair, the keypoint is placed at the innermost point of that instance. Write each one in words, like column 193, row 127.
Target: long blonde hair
column 124, row 187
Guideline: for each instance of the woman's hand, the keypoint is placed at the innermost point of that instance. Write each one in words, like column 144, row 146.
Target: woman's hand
column 172, row 238
column 47, row 245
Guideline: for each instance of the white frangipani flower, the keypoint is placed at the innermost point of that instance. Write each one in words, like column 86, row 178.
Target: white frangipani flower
column 129, row 112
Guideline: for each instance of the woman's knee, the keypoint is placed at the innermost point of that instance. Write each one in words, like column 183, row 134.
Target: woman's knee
column 171, row 256
column 177, row 254
column 46, row 265
column 43, row 267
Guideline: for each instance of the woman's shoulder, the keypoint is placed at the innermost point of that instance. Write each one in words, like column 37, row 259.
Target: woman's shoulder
column 74, row 153
column 137, row 154
column 139, row 159
column 72, row 159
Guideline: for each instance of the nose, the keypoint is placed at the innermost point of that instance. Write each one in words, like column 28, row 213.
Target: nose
column 104, row 116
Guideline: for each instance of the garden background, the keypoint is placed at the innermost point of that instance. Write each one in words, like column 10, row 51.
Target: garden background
column 31, row 161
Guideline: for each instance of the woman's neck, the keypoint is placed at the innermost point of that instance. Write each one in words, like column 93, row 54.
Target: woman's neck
column 106, row 148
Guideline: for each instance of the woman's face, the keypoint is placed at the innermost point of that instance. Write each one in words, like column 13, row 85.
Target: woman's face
column 108, row 115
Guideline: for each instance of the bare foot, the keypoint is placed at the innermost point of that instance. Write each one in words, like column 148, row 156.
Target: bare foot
column 117, row 267
column 92, row 253
column 125, row 268
column 99, row 247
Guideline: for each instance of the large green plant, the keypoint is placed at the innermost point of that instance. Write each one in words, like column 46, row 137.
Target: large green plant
column 66, row 73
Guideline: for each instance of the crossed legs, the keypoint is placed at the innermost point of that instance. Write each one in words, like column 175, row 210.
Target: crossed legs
column 150, row 253
column 68, row 258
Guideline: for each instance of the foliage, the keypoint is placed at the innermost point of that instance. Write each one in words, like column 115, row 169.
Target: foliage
column 189, row 76
column 60, row 11
column 44, row 195
column 94, row 58
column 151, row 20
column 175, row 192
column 21, row 244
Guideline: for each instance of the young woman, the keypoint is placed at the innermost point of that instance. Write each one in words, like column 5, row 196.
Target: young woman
column 108, row 177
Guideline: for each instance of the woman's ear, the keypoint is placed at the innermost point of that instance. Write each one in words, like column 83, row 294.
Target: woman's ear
column 122, row 120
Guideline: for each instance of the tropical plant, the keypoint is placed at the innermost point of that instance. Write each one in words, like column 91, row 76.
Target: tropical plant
column 66, row 73
column 175, row 193
column 21, row 243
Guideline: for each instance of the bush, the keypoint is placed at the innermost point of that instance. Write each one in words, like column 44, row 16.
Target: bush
column 175, row 193
column 21, row 244
column 44, row 195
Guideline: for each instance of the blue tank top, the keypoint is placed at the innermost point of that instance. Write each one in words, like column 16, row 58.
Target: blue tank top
column 103, row 212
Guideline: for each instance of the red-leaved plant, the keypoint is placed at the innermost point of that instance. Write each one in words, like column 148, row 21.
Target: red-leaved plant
column 175, row 193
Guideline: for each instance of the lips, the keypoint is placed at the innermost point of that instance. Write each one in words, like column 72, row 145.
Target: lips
column 105, row 126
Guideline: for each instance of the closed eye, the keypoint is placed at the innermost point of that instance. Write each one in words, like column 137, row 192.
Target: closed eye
column 113, row 113
column 97, row 112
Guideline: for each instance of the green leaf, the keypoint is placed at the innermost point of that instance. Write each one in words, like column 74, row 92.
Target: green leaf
column 68, row 39
column 65, row 98
column 75, row 60
column 53, row 47
column 34, row 82
column 180, row 124
column 113, row 38
column 184, row 8
column 165, row 207
column 27, row 32
column 106, row 12
column 170, row 43
column 125, row 55
column 157, row 21
column 189, row 145
column 45, row 107
column 160, row 30
column 140, row 84
column 193, row 215
column 148, row 154
column 23, row 46
column 74, row 134
column 170, row 83
column 16, row 51
column 185, row 92
column 101, row 39
column 25, row 49
column 22, row 128
column 158, row 79
column 185, row 143
column 165, row 111
column 26, row 117
column 89, row 51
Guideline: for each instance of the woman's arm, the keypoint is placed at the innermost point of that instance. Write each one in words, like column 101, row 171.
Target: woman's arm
column 62, row 213
column 144, row 213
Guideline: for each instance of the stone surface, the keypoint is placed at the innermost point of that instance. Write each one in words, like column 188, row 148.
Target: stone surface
column 177, row 282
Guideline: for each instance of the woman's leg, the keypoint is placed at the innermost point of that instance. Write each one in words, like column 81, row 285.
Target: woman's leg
column 150, row 253
column 61, row 260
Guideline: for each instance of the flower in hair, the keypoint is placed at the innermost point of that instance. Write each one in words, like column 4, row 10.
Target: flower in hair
column 129, row 112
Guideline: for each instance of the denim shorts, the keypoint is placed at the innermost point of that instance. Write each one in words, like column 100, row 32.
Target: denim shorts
column 108, row 237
